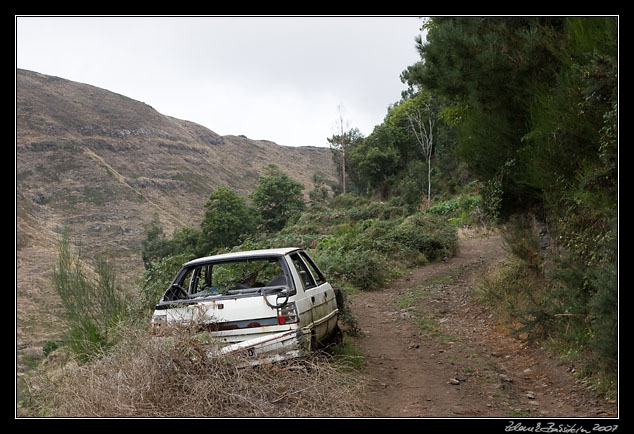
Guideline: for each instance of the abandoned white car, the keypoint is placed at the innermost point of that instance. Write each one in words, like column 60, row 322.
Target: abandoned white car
column 269, row 304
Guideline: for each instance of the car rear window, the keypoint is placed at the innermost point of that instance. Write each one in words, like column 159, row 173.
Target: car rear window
column 234, row 277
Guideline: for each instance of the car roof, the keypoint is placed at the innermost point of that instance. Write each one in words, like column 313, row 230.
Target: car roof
column 243, row 254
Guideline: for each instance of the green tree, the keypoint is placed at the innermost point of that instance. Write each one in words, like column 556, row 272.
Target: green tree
column 422, row 115
column 341, row 145
column 188, row 240
column 277, row 198
column 155, row 245
column 378, row 161
column 489, row 67
column 319, row 194
column 384, row 162
column 375, row 161
column 228, row 219
column 534, row 103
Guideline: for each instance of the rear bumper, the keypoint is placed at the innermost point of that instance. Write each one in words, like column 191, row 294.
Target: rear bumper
column 270, row 348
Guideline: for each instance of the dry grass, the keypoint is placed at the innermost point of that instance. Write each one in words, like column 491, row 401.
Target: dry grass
column 145, row 377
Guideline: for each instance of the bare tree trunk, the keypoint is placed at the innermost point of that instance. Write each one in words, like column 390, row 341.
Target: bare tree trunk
column 343, row 152
column 425, row 137
column 428, row 183
column 430, row 137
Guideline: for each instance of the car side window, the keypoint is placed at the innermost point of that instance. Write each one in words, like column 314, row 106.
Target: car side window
column 319, row 278
column 201, row 280
column 304, row 274
column 186, row 278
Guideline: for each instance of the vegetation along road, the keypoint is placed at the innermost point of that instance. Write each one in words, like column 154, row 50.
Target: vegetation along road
column 432, row 351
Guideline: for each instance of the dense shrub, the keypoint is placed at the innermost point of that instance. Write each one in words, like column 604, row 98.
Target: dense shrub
column 368, row 253
column 428, row 234
column 518, row 294
column 363, row 269
column 571, row 302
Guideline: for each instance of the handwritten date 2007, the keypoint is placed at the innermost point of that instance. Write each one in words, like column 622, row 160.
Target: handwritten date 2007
column 553, row 428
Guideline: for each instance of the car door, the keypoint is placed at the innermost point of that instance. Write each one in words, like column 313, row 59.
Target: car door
column 320, row 294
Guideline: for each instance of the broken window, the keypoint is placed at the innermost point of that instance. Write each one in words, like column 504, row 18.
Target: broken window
column 241, row 277
column 305, row 275
column 319, row 278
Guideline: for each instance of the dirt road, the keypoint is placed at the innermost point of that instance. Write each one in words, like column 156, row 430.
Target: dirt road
column 432, row 351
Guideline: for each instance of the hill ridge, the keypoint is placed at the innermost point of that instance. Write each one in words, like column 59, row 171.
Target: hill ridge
column 100, row 164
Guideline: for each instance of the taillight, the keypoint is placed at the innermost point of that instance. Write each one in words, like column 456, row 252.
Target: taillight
column 158, row 321
column 287, row 314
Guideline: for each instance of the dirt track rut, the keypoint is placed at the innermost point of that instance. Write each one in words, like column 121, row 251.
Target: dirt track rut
column 438, row 353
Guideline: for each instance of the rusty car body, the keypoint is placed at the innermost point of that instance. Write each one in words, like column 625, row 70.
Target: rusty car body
column 271, row 304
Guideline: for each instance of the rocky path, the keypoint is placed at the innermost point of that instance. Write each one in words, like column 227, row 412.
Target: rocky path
column 432, row 351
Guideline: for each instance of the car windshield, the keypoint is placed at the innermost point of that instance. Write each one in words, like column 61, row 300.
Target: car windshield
column 236, row 277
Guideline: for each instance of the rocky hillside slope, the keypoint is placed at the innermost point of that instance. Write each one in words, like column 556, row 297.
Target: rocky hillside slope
column 101, row 164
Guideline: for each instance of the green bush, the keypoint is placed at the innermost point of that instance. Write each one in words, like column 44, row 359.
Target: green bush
column 428, row 234
column 588, row 289
column 92, row 307
column 366, row 253
column 574, row 305
column 466, row 210
column 156, row 280
column 357, row 242
column 155, row 245
column 604, row 318
column 49, row 347
column 521, row 237
column 363, row 269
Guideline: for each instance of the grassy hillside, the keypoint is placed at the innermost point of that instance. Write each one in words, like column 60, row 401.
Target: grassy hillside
column 101, row 164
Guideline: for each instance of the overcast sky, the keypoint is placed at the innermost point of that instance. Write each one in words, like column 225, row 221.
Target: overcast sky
column 274, row 78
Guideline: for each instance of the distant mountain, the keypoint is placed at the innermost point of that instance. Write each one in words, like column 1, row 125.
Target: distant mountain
column 101, row 164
